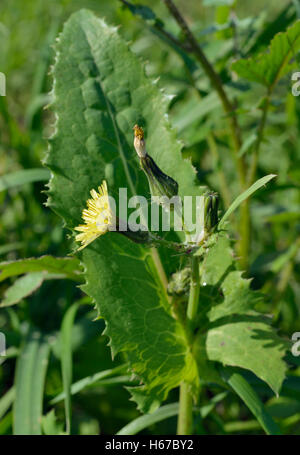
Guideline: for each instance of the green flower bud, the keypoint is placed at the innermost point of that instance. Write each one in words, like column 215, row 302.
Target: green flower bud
column 160, row 184
column 211, row 205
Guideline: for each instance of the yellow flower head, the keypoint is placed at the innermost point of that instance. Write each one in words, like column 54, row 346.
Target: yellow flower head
column 98, row 217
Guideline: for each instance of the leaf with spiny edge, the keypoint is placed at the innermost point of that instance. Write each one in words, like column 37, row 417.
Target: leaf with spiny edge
column 100, row 92
column 231, row 331
column 267, row 68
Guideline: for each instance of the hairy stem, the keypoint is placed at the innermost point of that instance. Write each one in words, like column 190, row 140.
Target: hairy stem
column 159, row 28
column 185, row 416
column 245, row 228
column 244, row 231
column 218, row 86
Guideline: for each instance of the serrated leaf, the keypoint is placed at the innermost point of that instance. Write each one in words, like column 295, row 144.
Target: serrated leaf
column 231, row 331
column 248, row 342
column 100, row 92
column 267, row 68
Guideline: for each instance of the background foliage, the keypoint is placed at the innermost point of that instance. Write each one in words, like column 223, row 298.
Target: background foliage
column 52, row 337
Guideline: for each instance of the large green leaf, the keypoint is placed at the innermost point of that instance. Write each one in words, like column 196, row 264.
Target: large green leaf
column 267, row 68
column 231, row 331
column 101, row 91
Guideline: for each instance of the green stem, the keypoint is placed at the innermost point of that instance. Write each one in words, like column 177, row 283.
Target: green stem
column 193, row 302
column 185, row 416
column 244, row 234
column 218, row 86
column 260, row 136
column 245, row 228
column 224, row 188
column 234, row 128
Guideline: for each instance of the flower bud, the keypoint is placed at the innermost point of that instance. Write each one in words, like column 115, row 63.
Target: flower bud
column 160, row 184
column 139, row 141
column 211, row 205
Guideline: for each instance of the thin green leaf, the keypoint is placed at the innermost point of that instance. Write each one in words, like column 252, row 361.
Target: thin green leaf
column 247, row 144
column 29, row 384
column 21, row 177
column 242, row 197
column 22, row 288
column 166, row 412
column 89, row 381
column 67, row 267
column 66, row 360
column 252, row 401
column 6, row 401
column 145, row 421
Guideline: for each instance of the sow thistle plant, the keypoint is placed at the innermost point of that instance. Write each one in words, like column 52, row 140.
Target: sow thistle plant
column 176, row 305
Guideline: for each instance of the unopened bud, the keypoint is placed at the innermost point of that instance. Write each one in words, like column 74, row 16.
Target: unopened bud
column 160, row 184
column 211, row 205
column 139, row 141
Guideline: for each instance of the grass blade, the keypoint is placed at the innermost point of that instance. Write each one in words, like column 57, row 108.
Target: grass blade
column 252, row 400
column 29, row 384
column 22, row 288
column 89, row 381
column 241, row 198
column 169, row 410
column 137, row 425
column 6, row 401
column 66, row 360
column 24, row 176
